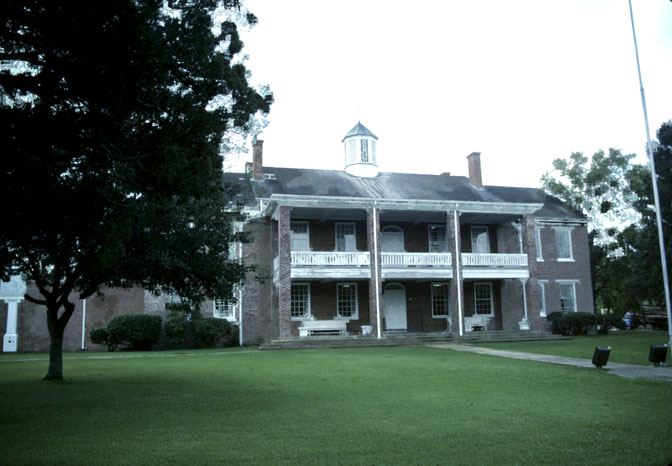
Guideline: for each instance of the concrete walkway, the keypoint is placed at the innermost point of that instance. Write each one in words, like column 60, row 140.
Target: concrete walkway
column 631, row 371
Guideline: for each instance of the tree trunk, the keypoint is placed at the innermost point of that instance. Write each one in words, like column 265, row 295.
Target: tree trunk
column 55, row 371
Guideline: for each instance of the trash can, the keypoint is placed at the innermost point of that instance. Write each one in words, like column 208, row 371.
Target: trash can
column 658, row 354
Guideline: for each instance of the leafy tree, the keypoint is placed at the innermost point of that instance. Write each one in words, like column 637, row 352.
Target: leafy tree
column 113, row 113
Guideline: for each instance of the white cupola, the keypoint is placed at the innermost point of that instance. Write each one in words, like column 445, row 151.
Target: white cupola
column 360, row 152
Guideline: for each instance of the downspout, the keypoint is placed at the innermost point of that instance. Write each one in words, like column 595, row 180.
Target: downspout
column 83, row 324
column 459, row 272
column 375, row 269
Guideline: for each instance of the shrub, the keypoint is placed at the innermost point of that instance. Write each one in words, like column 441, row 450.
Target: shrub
column 139, row 330
column 208, row 331
column 571, row 323
column 100, row 336
column 177, row 327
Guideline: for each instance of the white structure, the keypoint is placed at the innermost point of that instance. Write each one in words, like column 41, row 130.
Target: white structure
column 360, row 152
column 12, row 292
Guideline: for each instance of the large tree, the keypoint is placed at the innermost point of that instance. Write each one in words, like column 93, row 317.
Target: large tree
column 113, row 113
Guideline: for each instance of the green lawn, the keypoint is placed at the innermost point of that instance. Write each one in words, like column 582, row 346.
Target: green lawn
column 631, row 347
column 366, row 406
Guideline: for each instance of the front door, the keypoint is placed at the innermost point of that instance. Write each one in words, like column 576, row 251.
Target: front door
column 394, row 306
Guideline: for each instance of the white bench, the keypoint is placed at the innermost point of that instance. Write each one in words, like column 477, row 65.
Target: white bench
column 476, row 322
column 322, row 327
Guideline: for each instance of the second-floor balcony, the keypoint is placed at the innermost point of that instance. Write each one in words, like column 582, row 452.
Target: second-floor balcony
column 405, row 265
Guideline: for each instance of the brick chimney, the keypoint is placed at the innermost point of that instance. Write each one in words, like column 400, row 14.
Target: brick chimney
column 474, row 160
column 257, row 160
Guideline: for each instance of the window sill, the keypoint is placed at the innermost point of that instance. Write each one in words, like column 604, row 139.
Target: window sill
column 441, row 317
column 299, row 319
column 355, row 317
column 565, row 260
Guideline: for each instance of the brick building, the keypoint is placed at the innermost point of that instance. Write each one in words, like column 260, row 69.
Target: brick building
column 359, row 250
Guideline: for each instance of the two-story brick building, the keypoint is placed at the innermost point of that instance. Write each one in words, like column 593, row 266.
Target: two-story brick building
column 358, row 250
column 403, row 252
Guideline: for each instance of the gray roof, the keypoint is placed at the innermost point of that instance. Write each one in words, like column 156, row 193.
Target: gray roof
column 359, row 130
column 394, row 186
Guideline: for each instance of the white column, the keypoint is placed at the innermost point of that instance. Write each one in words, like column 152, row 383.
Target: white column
column 12, row 293
column 524, row 324
column 11, row 340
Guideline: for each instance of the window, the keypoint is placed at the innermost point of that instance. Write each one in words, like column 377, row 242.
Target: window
column 483, row 298
column 224, row 309
column 563, row 242
column 299, row 236
column 373, row 151
column 300, row 300
column 480, row 243
column 364, row 144
column 437, row 238
column 537, row 237
column 567, row 296
column 346, row 300
column 440, row 300
column 542, row 298
column 345, row 237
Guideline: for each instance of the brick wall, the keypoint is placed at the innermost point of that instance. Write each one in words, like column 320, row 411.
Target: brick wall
column 284, row 281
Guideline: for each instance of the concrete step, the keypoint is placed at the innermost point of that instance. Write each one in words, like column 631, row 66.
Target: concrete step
column 358, row 341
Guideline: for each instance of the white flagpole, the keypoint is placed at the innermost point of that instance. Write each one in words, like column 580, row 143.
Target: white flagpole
column 654, row 177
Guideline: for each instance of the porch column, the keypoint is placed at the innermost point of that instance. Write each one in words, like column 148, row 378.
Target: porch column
column 284, row 274
column 376, row 278
column 456, row 284
column 524, row 324
column 527, row 226
column 12, row 292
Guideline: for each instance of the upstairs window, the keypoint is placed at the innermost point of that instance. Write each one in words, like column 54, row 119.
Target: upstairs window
column 351, row 152
column 437, row 238
column 300, row 300
column 299, row 236
column 480, row 241
column 346, row 300
column 537, row 238
column 373, row 151
column 440, row 300
column 345, row 237
column 563, row 242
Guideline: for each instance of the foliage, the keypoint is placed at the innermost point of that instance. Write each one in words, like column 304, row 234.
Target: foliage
column 208, row 331
column 113, row 114
column 177, row 323
column 139, row 330
column 571, row 323
column 100, row 336
column 608, row 320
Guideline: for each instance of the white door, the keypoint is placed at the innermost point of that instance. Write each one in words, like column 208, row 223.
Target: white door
column 394, row 306
column 393, row 241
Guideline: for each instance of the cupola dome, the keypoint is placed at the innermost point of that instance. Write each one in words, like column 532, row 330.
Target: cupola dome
column 360, row 152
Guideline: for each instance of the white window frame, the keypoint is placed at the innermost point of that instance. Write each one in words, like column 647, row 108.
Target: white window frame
column 364, row 151
column 474, row 239
column 572, row 284
column 437, row 285
column 345, row 245
column 431, row 228
column 225, row 309
column 295, row 238
column 564, row 231
column 537, row 237
column 542, row 297
column 308, row 313
column 355, row 315
column 492, row 300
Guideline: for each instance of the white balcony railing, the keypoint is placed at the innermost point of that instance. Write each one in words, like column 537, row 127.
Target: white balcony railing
column 415, row 259
column 331, row 258
column 494, row 260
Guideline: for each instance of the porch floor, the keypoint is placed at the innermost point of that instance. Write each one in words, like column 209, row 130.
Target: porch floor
column 405, row 339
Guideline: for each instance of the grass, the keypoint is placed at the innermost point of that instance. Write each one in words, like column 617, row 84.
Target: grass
column 406, row 405
column 630, row 347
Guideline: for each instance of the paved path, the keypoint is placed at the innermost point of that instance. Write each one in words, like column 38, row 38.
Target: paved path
column 631, row 371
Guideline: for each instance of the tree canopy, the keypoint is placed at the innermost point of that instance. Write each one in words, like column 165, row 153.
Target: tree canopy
column 113, row 115
column 617, row 198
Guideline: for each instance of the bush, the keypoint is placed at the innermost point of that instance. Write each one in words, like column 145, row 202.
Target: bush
column 208, row 331
column 100, row 336
column 177, row 327
column 571, row 323
column 139, row 330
